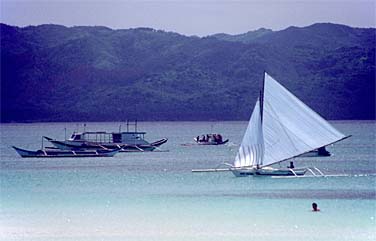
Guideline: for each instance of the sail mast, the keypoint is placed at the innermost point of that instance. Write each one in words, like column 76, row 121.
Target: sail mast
column 262, row 98
column 251, row 150
column 261, row 120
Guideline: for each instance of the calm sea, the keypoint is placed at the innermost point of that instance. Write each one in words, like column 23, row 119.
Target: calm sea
column 154, row 196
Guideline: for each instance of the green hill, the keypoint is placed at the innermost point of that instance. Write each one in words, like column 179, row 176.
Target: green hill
column 55, row 73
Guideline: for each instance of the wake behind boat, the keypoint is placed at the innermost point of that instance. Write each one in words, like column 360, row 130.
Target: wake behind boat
column 281, row 128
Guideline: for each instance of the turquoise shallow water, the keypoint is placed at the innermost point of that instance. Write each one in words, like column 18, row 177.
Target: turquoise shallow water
column 154, row 196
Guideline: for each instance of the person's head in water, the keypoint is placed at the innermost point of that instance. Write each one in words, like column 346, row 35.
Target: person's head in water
column 315, row 208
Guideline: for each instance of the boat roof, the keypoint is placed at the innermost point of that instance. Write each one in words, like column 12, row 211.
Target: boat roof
column 104, row 132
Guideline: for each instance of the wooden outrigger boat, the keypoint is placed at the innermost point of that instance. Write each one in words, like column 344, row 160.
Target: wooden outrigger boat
column 128, row 141
column 92, row 145
column 43, row 153
column 281, row 128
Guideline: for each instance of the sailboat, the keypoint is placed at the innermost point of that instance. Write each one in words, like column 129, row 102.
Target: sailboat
column 281, row 128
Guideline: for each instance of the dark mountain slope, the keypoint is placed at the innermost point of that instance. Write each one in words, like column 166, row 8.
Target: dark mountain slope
column 55, row 73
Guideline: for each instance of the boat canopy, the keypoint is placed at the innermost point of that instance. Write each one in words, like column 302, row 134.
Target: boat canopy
column 108, row 133
column 109, row 137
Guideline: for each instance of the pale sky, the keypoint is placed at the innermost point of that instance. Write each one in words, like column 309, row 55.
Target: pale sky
column 189, row 17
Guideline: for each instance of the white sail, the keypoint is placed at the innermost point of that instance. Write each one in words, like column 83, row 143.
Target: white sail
column 251, row 150
column 290, row 127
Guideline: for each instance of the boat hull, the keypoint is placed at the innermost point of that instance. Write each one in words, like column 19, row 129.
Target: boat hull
column 267, row 171
column 211, row 143
column 142, row 148
column 322, row 152
column 83, row 145
column 64, row 153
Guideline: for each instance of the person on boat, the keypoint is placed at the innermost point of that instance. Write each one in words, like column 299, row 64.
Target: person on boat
column 315, row 208
column 291, row 165
column 219, row 137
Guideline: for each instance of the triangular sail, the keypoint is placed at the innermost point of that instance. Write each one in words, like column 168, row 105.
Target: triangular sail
column 290, row 127
column 251, row 150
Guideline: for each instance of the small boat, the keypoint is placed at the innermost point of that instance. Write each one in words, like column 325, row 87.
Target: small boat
column 128, row 141
column 318, row 152
column 281, row 128
column 50, row 152
column 210, row 139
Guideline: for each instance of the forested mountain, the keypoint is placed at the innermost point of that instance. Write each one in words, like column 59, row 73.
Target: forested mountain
column 56, row 73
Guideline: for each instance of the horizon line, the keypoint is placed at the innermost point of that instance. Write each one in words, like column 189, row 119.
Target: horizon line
column 168, row 31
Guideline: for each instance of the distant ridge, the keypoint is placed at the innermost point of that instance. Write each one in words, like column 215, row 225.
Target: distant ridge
column 247, row 37
column 57, row 73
